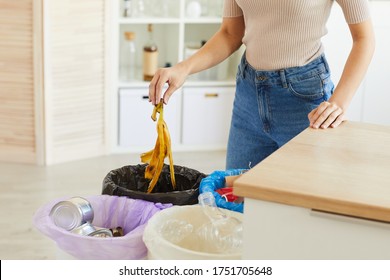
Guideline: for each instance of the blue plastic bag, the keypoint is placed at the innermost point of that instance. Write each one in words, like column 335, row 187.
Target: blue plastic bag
column 215, row 181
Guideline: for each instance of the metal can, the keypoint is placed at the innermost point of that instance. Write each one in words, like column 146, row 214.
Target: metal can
column 102, row 232
column 72, row 213
column 84, row 229
column 88, row 229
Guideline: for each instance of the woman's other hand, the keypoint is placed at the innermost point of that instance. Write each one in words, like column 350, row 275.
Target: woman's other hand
column 327, row 114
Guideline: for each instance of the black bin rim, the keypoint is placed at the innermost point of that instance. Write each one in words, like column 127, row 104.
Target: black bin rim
column 115, row 183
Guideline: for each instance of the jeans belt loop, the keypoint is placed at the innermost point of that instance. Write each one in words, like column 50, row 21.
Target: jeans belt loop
column 244, row 66
column 283, row 78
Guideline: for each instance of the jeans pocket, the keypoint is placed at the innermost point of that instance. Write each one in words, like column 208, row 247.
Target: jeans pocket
column 311, row 88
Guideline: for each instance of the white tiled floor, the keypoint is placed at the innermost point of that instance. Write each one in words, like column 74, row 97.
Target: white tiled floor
column 24, row 188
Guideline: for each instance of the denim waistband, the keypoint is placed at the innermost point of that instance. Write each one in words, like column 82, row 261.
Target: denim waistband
column 318, row 66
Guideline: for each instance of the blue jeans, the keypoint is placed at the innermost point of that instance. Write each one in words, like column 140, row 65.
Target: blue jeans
column 272, row 107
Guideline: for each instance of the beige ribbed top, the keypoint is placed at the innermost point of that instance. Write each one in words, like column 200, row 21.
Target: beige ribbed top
column 287, row 33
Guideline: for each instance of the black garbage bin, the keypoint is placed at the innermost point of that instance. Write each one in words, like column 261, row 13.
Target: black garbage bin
column 130, row 181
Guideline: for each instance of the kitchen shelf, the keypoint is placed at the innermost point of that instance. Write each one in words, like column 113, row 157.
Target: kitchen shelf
column 202, row 20
column 148, row 20
column 173, row 20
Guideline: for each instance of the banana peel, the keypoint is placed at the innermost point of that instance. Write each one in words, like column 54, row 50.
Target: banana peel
column 162, row 149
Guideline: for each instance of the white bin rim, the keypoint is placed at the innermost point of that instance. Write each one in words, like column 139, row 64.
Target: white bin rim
column 151, row 238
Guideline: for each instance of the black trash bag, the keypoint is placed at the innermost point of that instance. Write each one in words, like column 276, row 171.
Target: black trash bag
column 130, row 181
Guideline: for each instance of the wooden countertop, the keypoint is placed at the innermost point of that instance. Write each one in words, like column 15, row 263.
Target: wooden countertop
column 345, row 170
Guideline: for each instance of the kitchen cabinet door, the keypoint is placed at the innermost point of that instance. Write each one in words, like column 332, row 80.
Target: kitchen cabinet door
column 136, row 128
column 19, row 80
column 54, row 71
column 206, row 115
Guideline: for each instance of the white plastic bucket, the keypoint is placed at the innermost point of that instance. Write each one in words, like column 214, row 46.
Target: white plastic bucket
column 160, row 248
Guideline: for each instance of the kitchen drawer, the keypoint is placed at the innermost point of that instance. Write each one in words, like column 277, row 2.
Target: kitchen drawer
column 136, row 128
column 206, row 115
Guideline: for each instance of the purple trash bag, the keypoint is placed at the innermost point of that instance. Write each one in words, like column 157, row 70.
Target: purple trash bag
column 109, row 212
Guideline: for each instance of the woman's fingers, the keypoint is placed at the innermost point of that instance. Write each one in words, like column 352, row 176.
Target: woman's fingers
column 171, row 76
column 156, row 86
column 326, row 115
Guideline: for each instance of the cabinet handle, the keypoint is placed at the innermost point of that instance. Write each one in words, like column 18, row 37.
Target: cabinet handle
column 342, row 217
column 145, row 97
column 209, row 95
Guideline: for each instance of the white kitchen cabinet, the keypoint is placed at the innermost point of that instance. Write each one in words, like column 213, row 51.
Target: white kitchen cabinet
column 136, row 128
column 206, row 115
column 371, row 99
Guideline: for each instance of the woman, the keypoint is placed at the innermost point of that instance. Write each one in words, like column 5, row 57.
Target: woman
column 283, row 81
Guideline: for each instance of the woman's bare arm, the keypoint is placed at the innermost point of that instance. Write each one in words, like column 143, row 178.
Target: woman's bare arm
column 224, row 42
column 331, row 113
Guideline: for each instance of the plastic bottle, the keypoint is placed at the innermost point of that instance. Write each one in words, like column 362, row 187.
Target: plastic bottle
column 128, row 57
column 223, row 234
column 150, row 56
column 175, row 230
